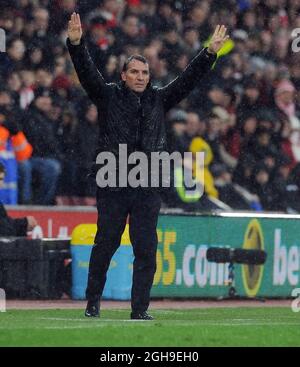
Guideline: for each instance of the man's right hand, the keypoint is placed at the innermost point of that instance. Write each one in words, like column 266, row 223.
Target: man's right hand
column 75, row 29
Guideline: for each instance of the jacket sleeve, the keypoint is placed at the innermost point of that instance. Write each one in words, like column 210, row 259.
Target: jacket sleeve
column 10, row 226
column 180, row 87
column 89, row 76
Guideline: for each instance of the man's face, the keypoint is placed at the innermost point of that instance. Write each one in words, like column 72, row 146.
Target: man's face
column 43, row 103
column 5, row 99
column 41, row 19
column 286, row 97
column 1, row 179
column 192, row 124
column 131, row 26
column 137, row 76
column 17, row 50
column 252, row 93
column 92, row 114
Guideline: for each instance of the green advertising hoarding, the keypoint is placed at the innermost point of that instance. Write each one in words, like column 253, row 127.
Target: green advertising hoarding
column 182, row 268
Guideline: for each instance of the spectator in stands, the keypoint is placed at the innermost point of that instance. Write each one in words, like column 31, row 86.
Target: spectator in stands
column 231, row 193
column 199, row 17
column 262, row 146
column 218, row 126
column 86, row 142
column 44, row 162
column 215, row 97
column 13, row 59
column 176, row 129
column 262, row 187
column 286, row 187
column 250, row 103
column 191, row 40
column 286, row 108
column 100, row 41
column 240, row 139
column 243, row 172
column 285, row 144
column 198, row 145
column 194, row 197
column 172, row 47
column 10, row 226
column 42, row 37
column 66, row 135
column 128, row 34
column 163, row 15
column 195, row 126
column 14, row 146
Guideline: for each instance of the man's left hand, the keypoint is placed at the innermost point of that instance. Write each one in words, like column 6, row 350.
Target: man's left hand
column 31, row 223
column 218, row 39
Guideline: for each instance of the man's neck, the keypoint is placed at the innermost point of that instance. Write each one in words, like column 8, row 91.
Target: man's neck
column 138, row 94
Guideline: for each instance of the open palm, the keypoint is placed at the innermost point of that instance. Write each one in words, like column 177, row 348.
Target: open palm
column 218, row 39
column 75, row 29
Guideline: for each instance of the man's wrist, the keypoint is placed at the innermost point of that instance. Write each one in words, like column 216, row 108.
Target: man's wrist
column 210, row 51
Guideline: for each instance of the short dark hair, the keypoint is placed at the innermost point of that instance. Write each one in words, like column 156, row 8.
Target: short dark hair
column 134, row 57
column 2, row 168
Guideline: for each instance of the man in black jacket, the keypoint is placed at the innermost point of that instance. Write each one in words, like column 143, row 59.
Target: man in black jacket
column 10, row 226
column 132, row 113
column 40, row 132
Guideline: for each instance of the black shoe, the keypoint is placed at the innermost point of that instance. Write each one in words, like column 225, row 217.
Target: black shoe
column 141, row 316
column 92, row 309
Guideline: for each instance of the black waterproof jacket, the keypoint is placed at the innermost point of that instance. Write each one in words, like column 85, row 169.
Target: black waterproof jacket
column 10, row 226
column 128, row 118
column 40, row 132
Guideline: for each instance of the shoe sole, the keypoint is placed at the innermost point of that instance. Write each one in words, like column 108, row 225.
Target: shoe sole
column 87, row 315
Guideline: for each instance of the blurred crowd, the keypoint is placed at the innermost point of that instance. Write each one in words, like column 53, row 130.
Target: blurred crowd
column 245, row 115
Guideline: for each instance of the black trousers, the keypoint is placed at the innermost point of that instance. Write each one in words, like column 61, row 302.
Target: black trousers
column 113, row 208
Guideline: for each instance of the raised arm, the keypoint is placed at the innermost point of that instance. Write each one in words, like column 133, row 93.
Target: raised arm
column 88, row 74
column 180, row 87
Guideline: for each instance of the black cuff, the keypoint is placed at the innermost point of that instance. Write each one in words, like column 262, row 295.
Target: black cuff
column 209, row 55
column 70, row 45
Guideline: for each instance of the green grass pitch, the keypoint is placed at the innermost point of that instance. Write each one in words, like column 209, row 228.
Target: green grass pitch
column 255, row 326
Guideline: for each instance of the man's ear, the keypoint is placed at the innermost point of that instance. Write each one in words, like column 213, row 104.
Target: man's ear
column 123, row 76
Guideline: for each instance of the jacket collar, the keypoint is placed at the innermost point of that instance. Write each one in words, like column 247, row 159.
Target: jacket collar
column 129, row 92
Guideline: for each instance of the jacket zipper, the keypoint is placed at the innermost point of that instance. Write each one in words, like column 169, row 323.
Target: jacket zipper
column 139, row 125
